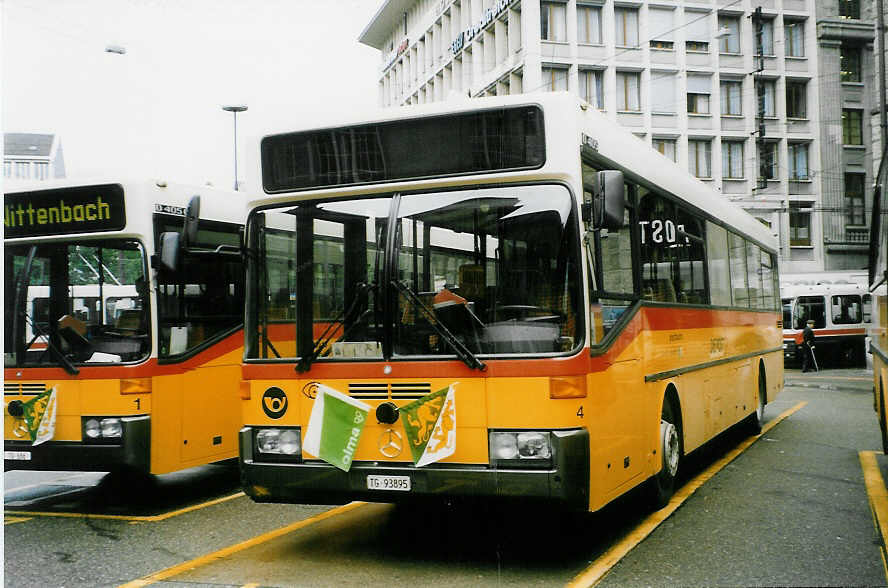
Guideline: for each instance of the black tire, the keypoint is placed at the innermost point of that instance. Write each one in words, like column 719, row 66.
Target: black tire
column 755, row 421
column 662, row 484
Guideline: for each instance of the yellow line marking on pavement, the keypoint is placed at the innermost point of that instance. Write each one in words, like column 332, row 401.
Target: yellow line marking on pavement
column 600, row 567
column 232, row 549
column 131, row 518
column 878, row 498
column 10, row 520
column 250, row 585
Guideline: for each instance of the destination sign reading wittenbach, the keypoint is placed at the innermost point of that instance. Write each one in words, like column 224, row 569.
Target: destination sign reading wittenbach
column 83, row 209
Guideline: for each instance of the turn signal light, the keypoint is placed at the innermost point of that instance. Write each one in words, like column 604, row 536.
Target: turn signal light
column 567, row 387
column 135, row 386
column 245, row 389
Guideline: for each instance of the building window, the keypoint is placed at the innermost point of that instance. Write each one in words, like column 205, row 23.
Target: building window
column 798, row 161
column 767, row 37
column 850, row 64
column 661, row 25
column 700, row 158
column 589, row 24
column 665, row 146
column 697, row 31
column 794, row 38
column 849, row 9
column 768, row 160
column 626, row 23
column 628, row 83
column 852, row 126
column 698, row 103
column 555, row 78
column 552, row 21
column 592, row 87
column 662, row 89
column 23, row 170
column 731, row 97
column 799, row 224
column 7, row 169
column 732, row 160
column 854, row 199
column 796, row 99
column 730, row 43
column 41, row 170
column 698, row 94
column 765, row 94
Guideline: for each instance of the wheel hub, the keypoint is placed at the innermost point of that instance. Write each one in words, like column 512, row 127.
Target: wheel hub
column 670, row 449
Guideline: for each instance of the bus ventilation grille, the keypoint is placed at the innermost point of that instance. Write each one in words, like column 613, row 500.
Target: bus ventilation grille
column 17, row 388
column 382, row 390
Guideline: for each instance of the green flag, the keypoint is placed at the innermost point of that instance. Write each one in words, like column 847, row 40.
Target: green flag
column 335, row 427
column 40, row 416
column 430, row 426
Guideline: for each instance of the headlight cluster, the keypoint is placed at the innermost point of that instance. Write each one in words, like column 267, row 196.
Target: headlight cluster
column 280, row 442
column 520, row 448
column 102, row 428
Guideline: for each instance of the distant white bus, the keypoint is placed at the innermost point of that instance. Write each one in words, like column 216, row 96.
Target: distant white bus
column 842, row 313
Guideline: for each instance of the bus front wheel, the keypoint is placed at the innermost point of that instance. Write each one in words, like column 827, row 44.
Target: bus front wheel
column 882, row 419
column 662, row 485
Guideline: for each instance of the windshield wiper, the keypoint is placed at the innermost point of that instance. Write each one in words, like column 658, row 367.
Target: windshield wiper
column 330, row 332
column 463, row 352
column 50, row 346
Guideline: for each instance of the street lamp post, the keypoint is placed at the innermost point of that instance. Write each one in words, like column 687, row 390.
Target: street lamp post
column 235, row 109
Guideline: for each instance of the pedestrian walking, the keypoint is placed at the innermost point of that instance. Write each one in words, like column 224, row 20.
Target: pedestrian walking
column 809, row 362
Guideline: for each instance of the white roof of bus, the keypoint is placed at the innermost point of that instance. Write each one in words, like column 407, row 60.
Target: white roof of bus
column 215, row 203
column 565, row 113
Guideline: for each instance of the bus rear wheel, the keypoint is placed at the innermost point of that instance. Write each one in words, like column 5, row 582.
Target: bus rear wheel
column 662, row 485
column 755, row 421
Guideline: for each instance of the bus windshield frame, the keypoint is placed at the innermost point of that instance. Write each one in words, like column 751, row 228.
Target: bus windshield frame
column 466, row 272
column 77, row 301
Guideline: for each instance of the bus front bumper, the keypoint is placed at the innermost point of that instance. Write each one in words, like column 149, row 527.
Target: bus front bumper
column 565, row 484
column 132, row 451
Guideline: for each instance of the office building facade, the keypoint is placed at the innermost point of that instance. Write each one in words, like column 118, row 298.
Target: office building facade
column 767, row 101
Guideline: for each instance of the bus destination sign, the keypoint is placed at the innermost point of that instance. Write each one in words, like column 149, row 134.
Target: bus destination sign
column 84, row 209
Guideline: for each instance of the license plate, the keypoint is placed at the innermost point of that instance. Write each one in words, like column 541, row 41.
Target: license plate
column 398, row 483
column 17, row 455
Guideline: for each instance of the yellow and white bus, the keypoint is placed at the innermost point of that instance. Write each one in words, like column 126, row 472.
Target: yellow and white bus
column 553, row 309
column 878, row 285
column 127, row 355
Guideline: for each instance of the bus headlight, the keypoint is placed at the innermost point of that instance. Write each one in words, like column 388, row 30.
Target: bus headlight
column 96, row 428
column 286, row 442
column 520, row 448
column 111, row 428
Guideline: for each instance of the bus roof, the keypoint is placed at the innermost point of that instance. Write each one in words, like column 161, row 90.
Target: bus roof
column 565, row 115
column 143, row 196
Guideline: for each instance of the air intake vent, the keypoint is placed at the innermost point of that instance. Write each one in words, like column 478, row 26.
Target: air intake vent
column 410, row 390
column 23, row 388
column 379, row 390
column 382, row 390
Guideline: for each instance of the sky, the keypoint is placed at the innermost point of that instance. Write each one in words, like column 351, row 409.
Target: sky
column 155, row 111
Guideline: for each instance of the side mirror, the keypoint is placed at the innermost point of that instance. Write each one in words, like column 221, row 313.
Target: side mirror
column 609, row 200
column 169, row 251
column 192, row 217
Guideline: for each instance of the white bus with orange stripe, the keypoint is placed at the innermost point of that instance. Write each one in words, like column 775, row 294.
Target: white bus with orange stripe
column 842, row 315
column 597, row 312
column 144, row 357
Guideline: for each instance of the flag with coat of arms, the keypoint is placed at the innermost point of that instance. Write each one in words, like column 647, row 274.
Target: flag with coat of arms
column 39, row 414
column 430, row 426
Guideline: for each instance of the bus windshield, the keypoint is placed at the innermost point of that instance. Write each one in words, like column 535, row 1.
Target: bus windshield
column 472, row 272
column 75, row 302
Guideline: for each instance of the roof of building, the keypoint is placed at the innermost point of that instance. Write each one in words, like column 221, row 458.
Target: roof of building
column 386, row 19
column 27, row 144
